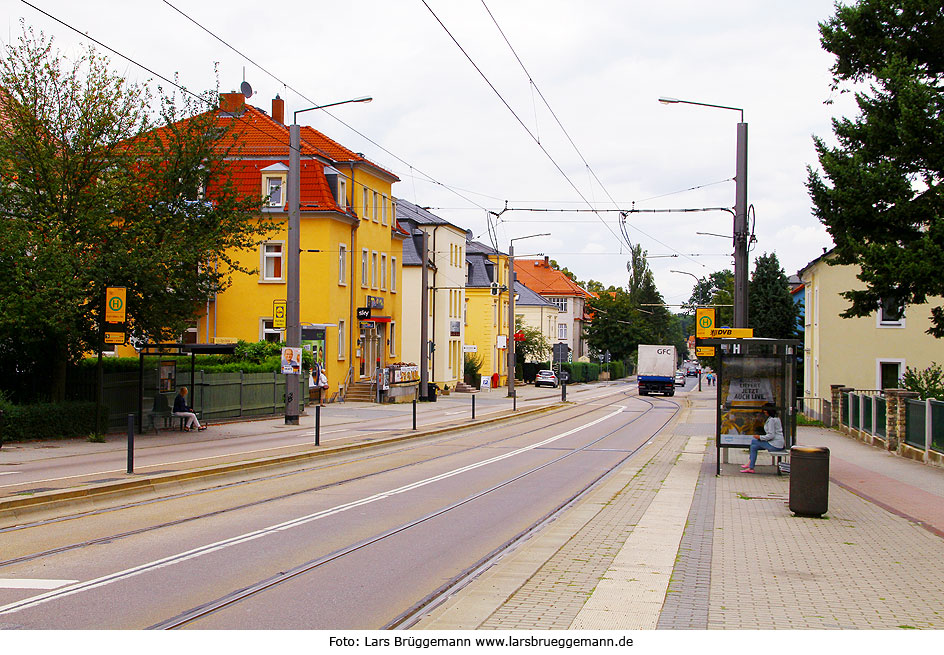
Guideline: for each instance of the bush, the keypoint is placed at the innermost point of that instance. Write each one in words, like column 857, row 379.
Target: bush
column 928, row 383
column 49, row 420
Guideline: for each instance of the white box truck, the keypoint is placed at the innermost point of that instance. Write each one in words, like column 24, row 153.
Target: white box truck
column 656, row 370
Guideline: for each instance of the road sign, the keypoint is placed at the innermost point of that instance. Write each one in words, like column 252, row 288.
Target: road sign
column 115, row 338
column 704, row 321
column 278, row 314
column 731, row 333
column 705, row 351
column 115, row 301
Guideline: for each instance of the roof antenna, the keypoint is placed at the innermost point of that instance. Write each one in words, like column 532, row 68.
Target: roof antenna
column 245, row 87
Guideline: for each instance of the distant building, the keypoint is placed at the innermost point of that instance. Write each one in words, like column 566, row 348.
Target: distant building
column 486, row 307
column 568, row 296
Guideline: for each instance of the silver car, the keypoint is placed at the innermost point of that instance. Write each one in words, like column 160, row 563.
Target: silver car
column 546, row 378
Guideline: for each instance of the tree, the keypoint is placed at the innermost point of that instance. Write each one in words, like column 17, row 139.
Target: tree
column 772, row 312
column 534, row 347
column 93, row 195
column 881, row 199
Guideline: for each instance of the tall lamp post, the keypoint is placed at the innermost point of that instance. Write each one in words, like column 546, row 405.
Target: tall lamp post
column 293, row 329
column 511, row 309
column 740, row 212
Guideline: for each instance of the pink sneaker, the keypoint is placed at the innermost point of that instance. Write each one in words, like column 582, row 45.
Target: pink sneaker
column 747, row 470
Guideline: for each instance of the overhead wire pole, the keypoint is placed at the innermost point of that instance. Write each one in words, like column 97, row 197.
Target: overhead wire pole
column 511, row 309
column 740, row 233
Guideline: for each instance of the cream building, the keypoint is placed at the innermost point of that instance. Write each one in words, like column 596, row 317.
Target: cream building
column 864, row 353
column 446, row 275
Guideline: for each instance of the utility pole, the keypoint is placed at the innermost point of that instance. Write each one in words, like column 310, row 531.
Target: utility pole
column 424, row 321
column 740, row 229
column 293, row 329
column 511, row 319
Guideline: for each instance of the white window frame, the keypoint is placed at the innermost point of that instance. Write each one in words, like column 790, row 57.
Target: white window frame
column 559, row 302
column 373, row 269
column 366, row 200
column 383, row 209
column 882, row 322
column 376, row 198
column 393, row 338
column 341, row 352
column 265, row 257
column 383, row 271
column 342, row 264
column 393, row 274
column 365, row 271
column 342, row 192
column 266, row 329
column 902, row 365
column 562, row 331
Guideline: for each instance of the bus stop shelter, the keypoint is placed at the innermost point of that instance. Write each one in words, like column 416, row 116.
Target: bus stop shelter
column 174, row 350
column 753, row 374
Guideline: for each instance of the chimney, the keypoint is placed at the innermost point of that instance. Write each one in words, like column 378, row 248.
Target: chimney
column 278, row 109
column 546, row 264
column 232, row 103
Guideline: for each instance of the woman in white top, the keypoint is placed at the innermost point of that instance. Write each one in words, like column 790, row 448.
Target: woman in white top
column 772, row 439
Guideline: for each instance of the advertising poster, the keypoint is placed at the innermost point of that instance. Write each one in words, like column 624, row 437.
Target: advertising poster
column 168, row 377
column 291, row 361
column 313, row 339
column 747, row 384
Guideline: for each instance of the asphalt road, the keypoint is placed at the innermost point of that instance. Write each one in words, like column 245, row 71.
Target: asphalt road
column 349, row 543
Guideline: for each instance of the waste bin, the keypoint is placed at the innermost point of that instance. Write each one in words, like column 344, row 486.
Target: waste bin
column 809, row 480
column 431, row 390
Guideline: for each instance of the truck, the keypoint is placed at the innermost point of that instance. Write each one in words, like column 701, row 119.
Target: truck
column 656, row 370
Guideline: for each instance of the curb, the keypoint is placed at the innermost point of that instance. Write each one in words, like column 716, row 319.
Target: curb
column 15, row 506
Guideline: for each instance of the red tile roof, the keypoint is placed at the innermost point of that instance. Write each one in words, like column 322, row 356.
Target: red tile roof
column 540, row 277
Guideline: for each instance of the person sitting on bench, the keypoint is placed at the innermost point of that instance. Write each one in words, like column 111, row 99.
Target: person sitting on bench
column 771, row 440
column 184, row 411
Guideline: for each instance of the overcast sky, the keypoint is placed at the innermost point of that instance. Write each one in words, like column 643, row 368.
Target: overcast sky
column 601, row 66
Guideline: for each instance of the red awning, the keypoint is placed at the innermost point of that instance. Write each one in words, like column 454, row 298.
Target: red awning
column 380, row 319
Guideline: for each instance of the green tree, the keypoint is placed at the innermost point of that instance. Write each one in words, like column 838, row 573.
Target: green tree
column 92, row 195
column 534, row 347
column 771, row 311
column 616, row 325
column 880, row 193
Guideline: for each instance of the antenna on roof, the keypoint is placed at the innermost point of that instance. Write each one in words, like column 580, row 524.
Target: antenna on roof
column 245, row 87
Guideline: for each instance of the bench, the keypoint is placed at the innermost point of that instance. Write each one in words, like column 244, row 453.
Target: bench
column 162, row 410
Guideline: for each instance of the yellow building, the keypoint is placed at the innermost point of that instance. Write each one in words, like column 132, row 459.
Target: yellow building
column 486, row 309
column 869, row 352
column 350, row 264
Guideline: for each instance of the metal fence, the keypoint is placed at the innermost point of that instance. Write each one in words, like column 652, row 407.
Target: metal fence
column 815, row 408
column 915, row 422
column 214, row 395
column 866, row 411
column 937, row 425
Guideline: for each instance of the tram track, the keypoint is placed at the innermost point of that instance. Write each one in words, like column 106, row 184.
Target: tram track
column 415, row 612
column 111, row 538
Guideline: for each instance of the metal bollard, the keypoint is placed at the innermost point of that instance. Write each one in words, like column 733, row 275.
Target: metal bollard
column 130, row 444
column 473, row 407
column 414, row 413
column 563, row 391
column 514, row 402
column 317, row 425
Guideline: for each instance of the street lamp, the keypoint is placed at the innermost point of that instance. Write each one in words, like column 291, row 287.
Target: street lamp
column 293, row 330
column 740, row 212
column 511, row 309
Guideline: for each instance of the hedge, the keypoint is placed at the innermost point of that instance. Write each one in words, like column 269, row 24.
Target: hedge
column 49, row 421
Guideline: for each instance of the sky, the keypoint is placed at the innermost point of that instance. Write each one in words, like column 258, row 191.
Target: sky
column 526, row 104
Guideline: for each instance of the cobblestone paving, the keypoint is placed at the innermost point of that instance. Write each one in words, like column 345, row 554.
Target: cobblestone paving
column 858, row 567
column 686, row 603
column 553, row 597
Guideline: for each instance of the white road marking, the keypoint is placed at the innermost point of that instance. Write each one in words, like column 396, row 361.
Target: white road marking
column 33, row 583
column 461, row 411
column 294, row 523
column 9, row 472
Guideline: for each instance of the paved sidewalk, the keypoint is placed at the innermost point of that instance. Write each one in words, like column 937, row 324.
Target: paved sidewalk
column 665, row 544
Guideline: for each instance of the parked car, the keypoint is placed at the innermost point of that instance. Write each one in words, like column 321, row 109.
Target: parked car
column 692, row 372
column 680, row 379
column 546, row 378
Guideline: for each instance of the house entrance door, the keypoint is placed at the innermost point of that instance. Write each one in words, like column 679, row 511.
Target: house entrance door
column 370, row 349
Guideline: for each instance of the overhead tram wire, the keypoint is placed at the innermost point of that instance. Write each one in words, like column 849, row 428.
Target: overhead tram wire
column 350, row 127
column 514, row 113
column 548, row 105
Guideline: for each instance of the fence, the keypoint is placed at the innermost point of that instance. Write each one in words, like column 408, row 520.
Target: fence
column 866, row 412
column 815, row 408
column 215, row 395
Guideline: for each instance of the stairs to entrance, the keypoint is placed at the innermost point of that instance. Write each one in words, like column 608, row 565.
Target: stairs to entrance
column 360, row 392
column 462, row 387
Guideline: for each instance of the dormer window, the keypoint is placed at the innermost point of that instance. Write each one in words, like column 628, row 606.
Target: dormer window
column 338, row 185
column 274, row 185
